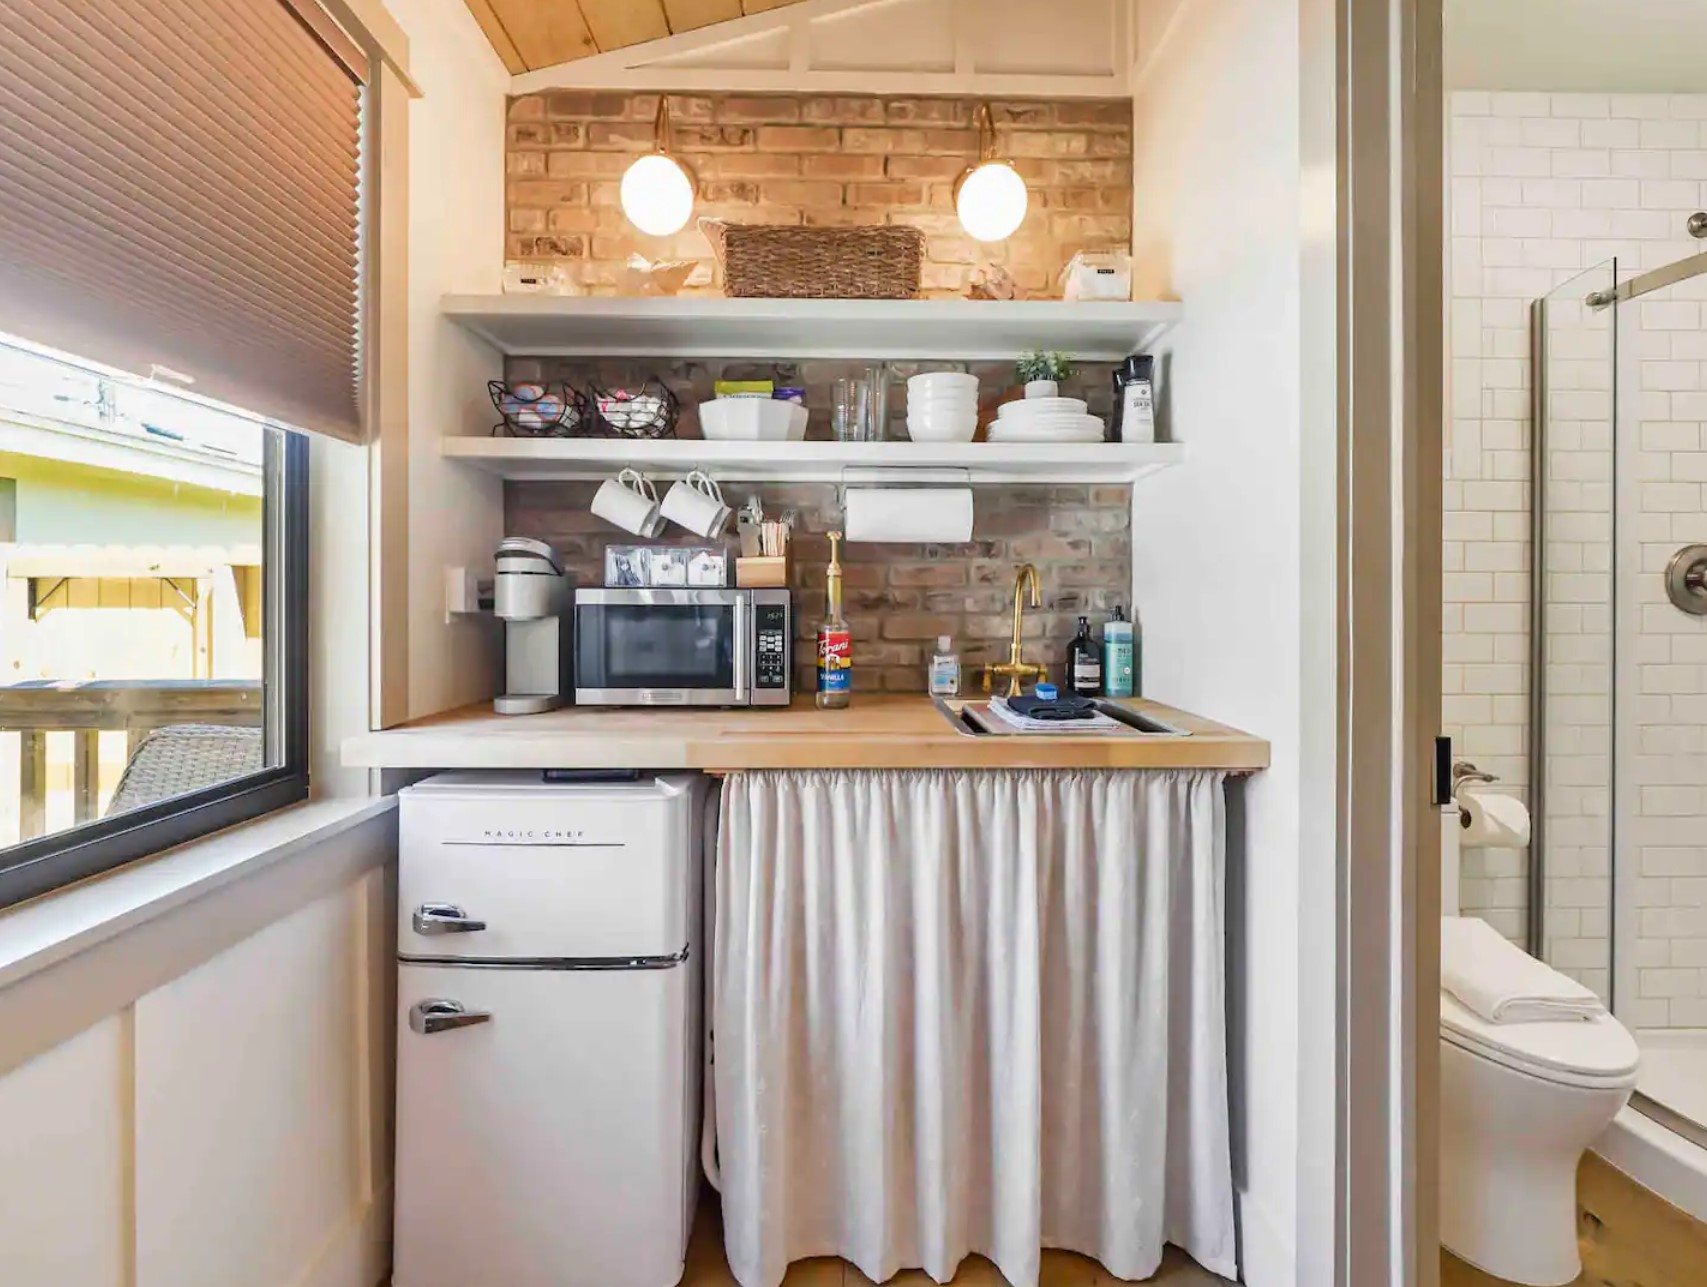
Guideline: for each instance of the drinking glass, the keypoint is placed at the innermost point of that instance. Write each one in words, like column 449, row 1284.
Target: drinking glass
column 850, row 415
column 877, row 403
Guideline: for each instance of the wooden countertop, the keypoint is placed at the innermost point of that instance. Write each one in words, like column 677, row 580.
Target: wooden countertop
column 879, row 731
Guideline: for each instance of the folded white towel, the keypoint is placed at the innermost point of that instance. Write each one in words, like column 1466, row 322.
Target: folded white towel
column 1504, row 984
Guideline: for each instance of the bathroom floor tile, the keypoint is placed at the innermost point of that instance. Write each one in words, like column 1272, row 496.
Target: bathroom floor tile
column 1627, row 1235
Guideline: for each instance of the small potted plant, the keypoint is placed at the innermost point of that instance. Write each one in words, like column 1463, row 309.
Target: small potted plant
column 1042, row 373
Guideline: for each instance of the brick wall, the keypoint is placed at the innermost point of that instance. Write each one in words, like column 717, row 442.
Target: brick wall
column 899, row 597
column 816, row 160
column 1544, row 187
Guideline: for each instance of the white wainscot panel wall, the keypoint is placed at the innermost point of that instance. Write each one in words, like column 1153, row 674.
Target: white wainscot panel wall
column 228, row 1129
column 63, row 1128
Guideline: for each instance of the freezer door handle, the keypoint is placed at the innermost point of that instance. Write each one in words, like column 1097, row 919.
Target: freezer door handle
column 436, row 1014
column 444, row 918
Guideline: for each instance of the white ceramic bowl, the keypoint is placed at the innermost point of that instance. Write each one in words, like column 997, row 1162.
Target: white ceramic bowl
column 943, row 410
column 938, row 382
column 942, row 428
column 942, row 407
column 752, row 419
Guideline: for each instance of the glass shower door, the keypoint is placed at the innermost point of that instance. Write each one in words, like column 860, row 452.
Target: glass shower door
column 1618, row 870
column 1660, row 793
column 1573, row 629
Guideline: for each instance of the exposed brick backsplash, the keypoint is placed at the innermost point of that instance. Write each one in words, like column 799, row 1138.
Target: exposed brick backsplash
column 817, row 160
column 899, row 598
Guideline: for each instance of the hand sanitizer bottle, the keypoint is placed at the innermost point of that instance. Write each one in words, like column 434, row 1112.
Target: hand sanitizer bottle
column 945, row 669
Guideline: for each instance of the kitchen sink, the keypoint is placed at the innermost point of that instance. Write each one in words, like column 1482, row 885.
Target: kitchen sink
column 972, row 717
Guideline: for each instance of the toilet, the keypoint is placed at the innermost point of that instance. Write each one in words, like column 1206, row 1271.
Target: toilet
column 1519, row 1103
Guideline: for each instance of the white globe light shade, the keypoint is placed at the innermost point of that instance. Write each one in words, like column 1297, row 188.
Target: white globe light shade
column 657, row 195
column 991, row 201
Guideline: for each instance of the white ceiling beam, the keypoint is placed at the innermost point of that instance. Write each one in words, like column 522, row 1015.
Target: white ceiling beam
column 654, row 65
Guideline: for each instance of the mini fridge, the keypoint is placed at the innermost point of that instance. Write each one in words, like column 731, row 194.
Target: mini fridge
column 548, row 1061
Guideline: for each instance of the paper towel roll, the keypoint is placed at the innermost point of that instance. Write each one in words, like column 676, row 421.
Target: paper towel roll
column 909, row 515
column 1492, row 821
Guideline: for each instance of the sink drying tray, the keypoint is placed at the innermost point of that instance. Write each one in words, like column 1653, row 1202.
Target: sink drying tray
column 971, row 717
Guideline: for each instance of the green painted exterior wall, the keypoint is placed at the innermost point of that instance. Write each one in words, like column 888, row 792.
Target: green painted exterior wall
column 60, row 503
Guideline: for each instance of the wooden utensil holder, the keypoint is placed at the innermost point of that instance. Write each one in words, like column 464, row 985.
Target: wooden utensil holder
column 762, row 573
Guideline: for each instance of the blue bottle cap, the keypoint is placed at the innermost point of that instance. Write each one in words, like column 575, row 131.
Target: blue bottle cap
column 1046, row 692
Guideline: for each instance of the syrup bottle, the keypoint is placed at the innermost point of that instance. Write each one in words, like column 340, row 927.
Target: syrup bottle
column 835, row 641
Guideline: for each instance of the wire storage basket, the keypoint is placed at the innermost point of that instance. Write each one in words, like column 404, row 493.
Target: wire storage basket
column 647, row 410
column 783, row 261
column 534, row 410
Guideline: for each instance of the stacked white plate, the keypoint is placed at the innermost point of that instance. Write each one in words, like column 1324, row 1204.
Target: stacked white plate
column 1045, row 420
column 942, row 406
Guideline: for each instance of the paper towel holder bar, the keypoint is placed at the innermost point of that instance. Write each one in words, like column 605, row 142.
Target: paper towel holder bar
column 904, row 477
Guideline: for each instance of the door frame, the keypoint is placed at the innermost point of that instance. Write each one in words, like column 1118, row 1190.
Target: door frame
column 1390, row 392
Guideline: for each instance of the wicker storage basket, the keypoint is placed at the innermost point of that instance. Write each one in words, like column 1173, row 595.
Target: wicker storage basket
column 782, row 261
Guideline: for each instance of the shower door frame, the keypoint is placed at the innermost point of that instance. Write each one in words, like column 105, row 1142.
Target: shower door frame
column 1535, row 913
column 1535, row 917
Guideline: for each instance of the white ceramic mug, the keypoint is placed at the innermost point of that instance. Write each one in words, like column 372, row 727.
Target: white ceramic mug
column 697, row 504
column 630, row 502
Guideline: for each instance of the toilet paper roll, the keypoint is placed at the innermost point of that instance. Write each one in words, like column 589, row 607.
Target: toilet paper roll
column 1492, row 821
column 909, row 515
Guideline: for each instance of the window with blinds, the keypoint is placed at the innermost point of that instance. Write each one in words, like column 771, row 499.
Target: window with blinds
column 179, row 189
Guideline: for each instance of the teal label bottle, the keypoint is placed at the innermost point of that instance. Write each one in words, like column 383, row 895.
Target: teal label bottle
column 1118, row 660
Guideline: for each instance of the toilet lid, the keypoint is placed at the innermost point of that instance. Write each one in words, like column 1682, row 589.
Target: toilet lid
column 1573, row 1050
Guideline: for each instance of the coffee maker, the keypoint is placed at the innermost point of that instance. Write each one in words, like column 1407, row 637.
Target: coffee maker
column 534, row 598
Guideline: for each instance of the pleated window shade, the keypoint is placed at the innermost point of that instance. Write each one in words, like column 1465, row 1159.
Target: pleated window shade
column 179, row 188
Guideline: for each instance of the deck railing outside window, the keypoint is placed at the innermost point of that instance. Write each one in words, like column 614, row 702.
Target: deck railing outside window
column 143, row 626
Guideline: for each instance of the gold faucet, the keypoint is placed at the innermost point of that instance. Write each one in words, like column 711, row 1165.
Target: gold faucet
column 1016, row 669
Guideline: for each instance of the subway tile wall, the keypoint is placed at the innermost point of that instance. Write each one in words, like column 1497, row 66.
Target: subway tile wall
column 1543, row 187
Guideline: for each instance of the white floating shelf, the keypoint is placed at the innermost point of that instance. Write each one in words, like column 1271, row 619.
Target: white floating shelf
column 708, row 327
column 585, row 458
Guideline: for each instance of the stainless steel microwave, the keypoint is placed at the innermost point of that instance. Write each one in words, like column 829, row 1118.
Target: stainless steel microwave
column 651, row 647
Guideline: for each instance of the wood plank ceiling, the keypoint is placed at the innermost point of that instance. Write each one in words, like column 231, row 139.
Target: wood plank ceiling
column 529, row 34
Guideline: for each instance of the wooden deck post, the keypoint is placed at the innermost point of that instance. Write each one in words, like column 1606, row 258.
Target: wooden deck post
column 32, row 784
column 85, row 775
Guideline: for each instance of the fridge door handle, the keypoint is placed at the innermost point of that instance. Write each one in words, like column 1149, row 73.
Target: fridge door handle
column 444, row 918
column 436, row 1014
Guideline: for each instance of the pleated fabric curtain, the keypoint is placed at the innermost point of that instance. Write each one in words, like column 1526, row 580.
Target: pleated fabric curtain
column 958, row 1012
column 179, row 187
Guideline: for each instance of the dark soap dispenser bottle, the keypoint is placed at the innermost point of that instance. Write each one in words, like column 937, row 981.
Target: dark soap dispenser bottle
column 1084, row 663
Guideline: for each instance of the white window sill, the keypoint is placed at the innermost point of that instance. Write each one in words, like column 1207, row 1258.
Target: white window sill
column 47, row 930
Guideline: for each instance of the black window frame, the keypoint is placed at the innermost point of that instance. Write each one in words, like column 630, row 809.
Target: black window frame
column 46, row 863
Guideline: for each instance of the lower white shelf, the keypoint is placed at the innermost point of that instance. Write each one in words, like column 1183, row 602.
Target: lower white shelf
column 588, row 458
